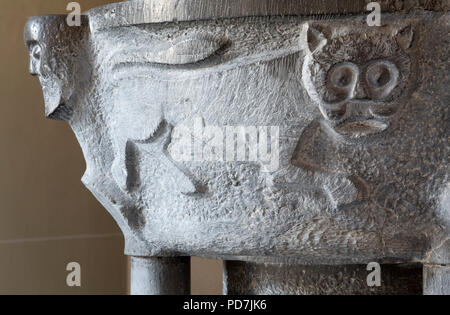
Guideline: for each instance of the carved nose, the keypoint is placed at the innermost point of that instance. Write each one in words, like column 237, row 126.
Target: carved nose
column 360, row 93
column 32, row 68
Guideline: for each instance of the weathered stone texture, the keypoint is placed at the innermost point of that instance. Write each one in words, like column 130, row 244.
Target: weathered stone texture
column 363, row 118
column 242, row 278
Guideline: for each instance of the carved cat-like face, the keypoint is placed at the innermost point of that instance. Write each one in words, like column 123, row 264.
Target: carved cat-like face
column 359, row 78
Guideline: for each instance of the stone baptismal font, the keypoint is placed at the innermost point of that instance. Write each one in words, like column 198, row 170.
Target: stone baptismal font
column 290, row 138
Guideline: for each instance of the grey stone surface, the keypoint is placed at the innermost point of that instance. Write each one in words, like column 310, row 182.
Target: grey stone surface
column 160, row 276
column 362, row 112
column 135, row 12
column 243, row 278
column 436, row 280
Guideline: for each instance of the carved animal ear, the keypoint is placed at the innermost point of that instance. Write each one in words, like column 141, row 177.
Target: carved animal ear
column 405, row 37
column 315, row 38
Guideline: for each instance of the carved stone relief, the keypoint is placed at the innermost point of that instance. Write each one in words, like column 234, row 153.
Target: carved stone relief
column 363, row 132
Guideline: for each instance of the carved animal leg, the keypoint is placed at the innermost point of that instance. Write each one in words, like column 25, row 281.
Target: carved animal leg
column 436, row 279
column 125, row 168
column 157, row 149
column 160, row 276
column 241, row 278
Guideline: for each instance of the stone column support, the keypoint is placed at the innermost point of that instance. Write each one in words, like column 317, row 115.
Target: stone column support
column 242, row 278
column 160, row 276
column 436, row 279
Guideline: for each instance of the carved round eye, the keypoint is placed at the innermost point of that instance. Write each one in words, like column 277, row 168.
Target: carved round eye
column 36, row 52
column 343, row 77
column 382, row 78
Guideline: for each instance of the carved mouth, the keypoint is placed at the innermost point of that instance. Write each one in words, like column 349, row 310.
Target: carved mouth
column 360, row 129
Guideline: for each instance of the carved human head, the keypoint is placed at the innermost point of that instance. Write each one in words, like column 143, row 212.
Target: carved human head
column 53, row 46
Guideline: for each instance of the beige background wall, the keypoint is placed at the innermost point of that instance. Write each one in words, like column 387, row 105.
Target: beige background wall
column 47, row 217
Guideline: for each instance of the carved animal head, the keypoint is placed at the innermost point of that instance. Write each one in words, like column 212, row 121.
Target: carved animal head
column 53, row 46
column 358, row 76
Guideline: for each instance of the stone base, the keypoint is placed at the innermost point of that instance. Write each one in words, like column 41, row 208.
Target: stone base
column 241, row 278
column 436, row 280
column 160, row 276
